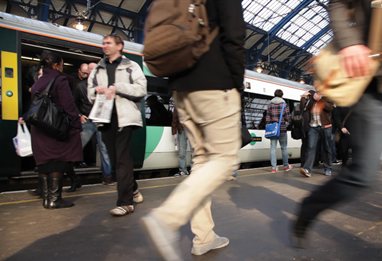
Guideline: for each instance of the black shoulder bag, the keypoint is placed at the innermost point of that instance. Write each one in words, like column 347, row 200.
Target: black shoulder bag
column 47, row 116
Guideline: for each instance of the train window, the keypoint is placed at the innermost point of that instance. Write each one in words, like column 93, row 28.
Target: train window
column 255, row 109
column 158, row 110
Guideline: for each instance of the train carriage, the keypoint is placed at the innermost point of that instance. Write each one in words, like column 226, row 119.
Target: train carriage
column 23, row 39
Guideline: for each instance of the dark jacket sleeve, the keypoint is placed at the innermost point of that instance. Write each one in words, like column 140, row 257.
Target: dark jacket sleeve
column 66, row 101
column 346, row 32
column 232, row 32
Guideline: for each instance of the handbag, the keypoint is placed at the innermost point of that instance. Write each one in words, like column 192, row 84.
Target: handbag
column 272, row 130
column 46, row 116
column 22, row 141
column 331, row 78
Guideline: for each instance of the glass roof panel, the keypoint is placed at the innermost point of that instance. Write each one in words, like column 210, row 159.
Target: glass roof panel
column 309, row 21
column 265, row 14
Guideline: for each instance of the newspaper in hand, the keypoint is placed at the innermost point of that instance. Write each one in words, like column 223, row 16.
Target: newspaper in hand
column 102, row 109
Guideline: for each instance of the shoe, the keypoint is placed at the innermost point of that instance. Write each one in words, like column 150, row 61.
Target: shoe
column 122, row 210
column 108, row 181
column 298, row 235
column 288, row 168
column 181, row 173
column 274, row 170
column 218, row 242
column 305, row 172
column 137, row 197
column 164, row 238
column 328, row 172
column 336, row 162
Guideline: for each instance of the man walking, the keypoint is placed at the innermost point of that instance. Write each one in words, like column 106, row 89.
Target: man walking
column 208, row 102
column 365, row 121
column 122, row 80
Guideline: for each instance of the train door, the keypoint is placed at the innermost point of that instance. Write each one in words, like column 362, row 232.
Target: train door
column 9, row 101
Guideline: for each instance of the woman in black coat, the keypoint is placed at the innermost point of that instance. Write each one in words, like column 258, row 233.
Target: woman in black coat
column 54, row 157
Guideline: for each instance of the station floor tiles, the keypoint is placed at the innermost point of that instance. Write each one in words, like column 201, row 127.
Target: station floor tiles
column 254, row 211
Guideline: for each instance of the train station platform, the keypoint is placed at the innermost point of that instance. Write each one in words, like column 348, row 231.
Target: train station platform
column 254, row 212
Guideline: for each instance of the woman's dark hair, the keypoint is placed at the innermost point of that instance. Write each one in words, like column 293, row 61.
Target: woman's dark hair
column 279, row 93
column 48, row 58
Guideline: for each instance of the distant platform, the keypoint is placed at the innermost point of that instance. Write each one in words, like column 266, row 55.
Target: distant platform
column 254, row 212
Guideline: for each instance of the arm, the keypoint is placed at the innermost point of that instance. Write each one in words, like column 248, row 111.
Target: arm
column 92, row 84
column 232, row 32
column 349, row 38
column 135, row 90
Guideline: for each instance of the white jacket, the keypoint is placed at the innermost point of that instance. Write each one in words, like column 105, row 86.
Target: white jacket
column 131, row 86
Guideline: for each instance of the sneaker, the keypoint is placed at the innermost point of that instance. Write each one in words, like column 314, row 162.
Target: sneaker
column 288, row 168
column 218, row 242
column 274, row 170
column 181, row 173
column 164, row 238
column 108, row 181
column 336, row 162
column 305, row 172
column 137, row 197
column 328, row 172
column 122, row 210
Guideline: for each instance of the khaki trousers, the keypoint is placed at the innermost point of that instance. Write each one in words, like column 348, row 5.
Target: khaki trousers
column 212, row 121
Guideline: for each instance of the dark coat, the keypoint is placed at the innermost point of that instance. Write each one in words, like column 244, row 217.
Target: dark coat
column 222, row 67
column 44, row 147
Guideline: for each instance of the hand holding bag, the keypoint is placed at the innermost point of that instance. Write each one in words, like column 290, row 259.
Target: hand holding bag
column 272, row 130
column 22, row 141
column 331, row 78
column 49, row 118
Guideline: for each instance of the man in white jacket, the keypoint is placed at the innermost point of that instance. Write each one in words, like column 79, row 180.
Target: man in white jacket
column 122, row 80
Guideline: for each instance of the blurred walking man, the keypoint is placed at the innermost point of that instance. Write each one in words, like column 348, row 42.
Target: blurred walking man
column 365, row 122
column 208, row 103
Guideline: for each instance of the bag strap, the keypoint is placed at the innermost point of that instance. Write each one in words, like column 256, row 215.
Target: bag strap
column 281, row 113
column 50, row 84
column 375, row 32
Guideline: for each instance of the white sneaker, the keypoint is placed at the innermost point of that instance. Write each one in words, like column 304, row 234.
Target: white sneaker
column 218, row 242
column 137, row 197
column 164, row 238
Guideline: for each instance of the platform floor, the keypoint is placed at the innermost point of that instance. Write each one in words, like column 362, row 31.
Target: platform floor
column 254, row 211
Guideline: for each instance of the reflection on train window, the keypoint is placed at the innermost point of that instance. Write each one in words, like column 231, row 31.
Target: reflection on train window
column 158, row 111
column 255, row 109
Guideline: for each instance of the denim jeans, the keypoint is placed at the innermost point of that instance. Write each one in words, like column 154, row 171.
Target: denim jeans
column 88, row 130
column 365, row 124
column 313, row 136
column 283, row 140
column 182, row 145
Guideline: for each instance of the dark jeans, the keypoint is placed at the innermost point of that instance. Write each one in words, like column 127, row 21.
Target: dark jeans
column 118, row 142
column 313, row 137
column 365, row 126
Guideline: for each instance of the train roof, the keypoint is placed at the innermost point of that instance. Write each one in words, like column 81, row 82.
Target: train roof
column 60, row 32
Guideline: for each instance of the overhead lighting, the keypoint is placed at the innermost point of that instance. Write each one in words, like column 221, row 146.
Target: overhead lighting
column 79, row 24
column 259, row 67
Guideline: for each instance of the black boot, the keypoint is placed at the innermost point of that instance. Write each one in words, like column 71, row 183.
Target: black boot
column 55, row 191
column 75, row 183
column 43, row 181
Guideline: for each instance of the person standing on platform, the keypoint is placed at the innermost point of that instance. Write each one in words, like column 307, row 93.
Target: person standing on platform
column 207, row 98
column 54, row 157
column 273, row 115
column 181, row 141
column 319, row 124
column 122, row 80
column 365, row 121
column 89, row 128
